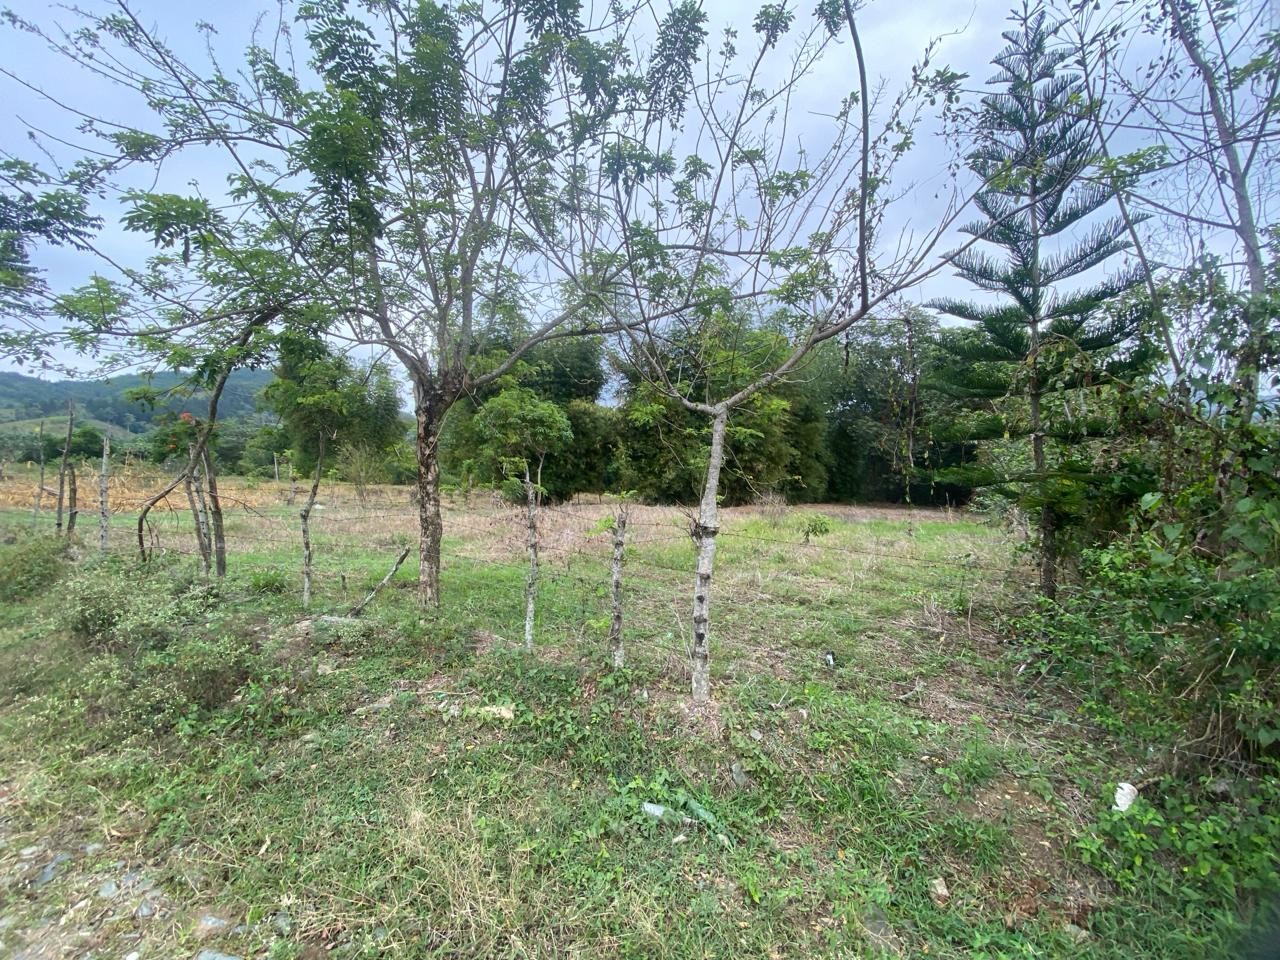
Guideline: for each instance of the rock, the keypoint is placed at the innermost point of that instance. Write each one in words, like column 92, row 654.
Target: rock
column 876, row 928
column 26, row 853
column 739, row 774
column 382, row 703
column 503, row 712
column 1077, row 934
column 938, row 891
column 214, row 955
column 50, row 870
column 210, row 925
column 133, row 955
column 281, row 923
column 93, row 849
column 108, row 889
column 1126, row 793
column 1220, row 788
column 756, row 735
column 145, row 910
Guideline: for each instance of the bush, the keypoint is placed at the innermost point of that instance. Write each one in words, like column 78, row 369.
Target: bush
column 116, row 605
column 28, row 565
column 815, row 525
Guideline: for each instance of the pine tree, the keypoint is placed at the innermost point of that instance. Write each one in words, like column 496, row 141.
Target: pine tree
column 1035, row 144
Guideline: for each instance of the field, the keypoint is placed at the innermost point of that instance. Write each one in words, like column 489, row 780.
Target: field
column 204, row 768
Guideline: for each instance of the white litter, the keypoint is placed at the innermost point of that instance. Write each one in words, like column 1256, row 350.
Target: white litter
column 1126, row 793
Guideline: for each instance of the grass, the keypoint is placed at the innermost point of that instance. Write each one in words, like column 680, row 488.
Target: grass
column 414, row 785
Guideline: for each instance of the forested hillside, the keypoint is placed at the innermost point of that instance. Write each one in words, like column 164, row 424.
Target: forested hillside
column 24, row 400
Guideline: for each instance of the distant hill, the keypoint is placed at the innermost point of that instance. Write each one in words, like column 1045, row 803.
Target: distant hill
column 25, row 400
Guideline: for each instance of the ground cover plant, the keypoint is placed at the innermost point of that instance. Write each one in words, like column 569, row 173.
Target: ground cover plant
column 199, row 764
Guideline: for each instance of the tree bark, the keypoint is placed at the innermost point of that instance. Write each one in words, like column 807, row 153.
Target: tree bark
column 531, row 543
column 217, row 532
column 104, row 507
column 617, row 653
column 195, row 499
column 305, row 515
column 429, row 416
column 704, row 532
column 62, row 470
column 73, row 509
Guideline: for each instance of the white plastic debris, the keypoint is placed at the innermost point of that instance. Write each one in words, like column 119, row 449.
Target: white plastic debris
column 655, row 810
column 1126, row 793
column 938, row 891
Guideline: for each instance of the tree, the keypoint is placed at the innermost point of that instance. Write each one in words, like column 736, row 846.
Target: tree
column 1034, row 145
column 322, row 399
column 1204, row 108
column 761, row 226
column 405, row 174
column 518, row 431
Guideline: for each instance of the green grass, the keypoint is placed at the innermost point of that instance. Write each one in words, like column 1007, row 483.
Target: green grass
column 351, row 776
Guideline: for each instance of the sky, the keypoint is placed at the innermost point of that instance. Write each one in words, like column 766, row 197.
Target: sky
column 894, row 36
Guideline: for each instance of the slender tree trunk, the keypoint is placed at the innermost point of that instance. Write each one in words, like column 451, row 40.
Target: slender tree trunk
column 275, row 465
column 705, row 531
column 104, row 507
column 1048, row 528
column 531, row 543
column 73, row 503
column 617, row 653
column 215, row 395
column 429, row 415
column 39, row 498
column 62, row 470
column 217, row 531
column 305, row 515
column 199, row 513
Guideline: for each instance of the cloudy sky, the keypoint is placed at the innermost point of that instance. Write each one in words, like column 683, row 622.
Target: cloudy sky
column 894, row 36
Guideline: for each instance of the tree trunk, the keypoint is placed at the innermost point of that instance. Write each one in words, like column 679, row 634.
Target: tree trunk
column 104, row 508
column 429, row 415
column 217, row 532
column 62, row 470
column 704, row 533
column 617, row 653
column 531, row 542
column 39, row 499
column 73, row 509
column 195, row 498
column 1048, row 529
column 305, row 515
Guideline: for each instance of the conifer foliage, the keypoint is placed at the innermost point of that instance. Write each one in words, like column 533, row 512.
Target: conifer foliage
column 1041, row 334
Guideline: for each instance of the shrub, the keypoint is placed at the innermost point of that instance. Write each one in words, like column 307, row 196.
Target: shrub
column 114, row 605
column 815, row 525
column 28, row 565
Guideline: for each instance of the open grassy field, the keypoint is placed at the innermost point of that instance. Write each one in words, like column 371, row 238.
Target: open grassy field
column 194, row 768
